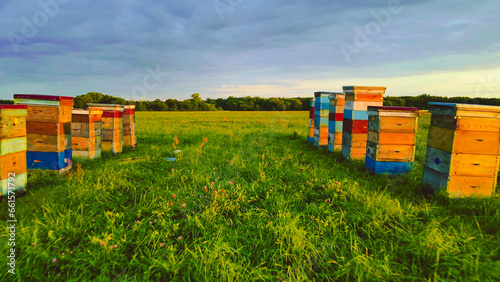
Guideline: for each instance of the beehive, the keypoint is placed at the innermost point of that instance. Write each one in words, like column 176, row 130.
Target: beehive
column 129, row 139
column 391, row 139
column 13, row 148
column 355, row 126
column 86, row 132
column 310, row 138
column 321, row 115
column 463, row 149
column 48, row 126
column 112, row 127
column 336, row 120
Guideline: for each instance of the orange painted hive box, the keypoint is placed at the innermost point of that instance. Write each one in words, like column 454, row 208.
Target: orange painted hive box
column 463, row 149
column 48, row 126
column 355, row 123
column 129, row 139
column 112, row 127
column 391, row 139
column 86, row 132
column 321, row 115
column 13, row 147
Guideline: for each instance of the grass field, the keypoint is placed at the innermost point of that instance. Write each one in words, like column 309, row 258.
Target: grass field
column 253, row 200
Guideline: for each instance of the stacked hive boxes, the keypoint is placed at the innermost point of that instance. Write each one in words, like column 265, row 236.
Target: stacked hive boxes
column 463, row 149
column 48, row 126
column 86, row 131
column 391, row 139
column 336, row 120
column 310, row 138
column 321, row 109
column 355, row 127
column 129, row 139
column 112, row 127
column 13, row 148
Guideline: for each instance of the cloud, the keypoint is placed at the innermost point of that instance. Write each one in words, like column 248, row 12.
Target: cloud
column 256, row 48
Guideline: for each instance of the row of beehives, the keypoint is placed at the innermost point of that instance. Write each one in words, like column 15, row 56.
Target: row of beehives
column 45, row 132
column 463, row 148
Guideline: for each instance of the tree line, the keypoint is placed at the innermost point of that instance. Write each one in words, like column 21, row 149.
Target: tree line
column 257, row 103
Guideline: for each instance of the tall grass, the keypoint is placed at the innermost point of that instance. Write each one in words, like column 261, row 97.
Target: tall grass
column 252, row 201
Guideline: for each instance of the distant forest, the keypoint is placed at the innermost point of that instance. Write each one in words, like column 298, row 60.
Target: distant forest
column 257, row 103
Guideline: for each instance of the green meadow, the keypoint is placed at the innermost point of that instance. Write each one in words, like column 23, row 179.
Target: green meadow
column 246, row 199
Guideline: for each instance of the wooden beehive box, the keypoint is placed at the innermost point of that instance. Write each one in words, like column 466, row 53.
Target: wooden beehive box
column 48, row 126
column 13, row 147
column 129, row 139
column 355, row 124
column 336, row 121
column 112, row 127
column 310, row 138
column 321, row 116
column 391, row 139
column 463, row 149
column 86, row 130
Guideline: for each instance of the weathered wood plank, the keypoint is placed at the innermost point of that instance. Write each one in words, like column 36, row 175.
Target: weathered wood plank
column 13, row 145
column 12, row 163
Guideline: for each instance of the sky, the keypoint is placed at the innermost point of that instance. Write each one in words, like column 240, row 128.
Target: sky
column 152, row 49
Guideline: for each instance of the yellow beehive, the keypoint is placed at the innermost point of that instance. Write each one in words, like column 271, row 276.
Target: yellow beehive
column 112, row 127
column 129, row 139
column 86, row 130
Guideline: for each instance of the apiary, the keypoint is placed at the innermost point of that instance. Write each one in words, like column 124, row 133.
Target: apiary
column 48, row 127
column 355, row 125
column 336, row 121
column 86, row 132
column 391, row 139
column 13, row 148
column 112, row 127
column 129, row 139
column 463, row 149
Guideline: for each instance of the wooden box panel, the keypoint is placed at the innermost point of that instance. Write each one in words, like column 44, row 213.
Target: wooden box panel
column 93, row 154
column 355, row 126
column 365, row 97
column 353, row 152
column 19, row 183
column 13, row 121
column 49, row 143
column 354, row 140
column 459, row 186
column 466, row 123
column 359, row 105
column 13, row 145
column 390, row 153
column 463, row 141
column 12, row 163
column 356, row 115
column 464, row 110
column 393, row 168
column 392, row 124
column 48, row 128
column 113, row 147
column 58, row 161
column 462, row 164
column 61, row 114
column 389, row 138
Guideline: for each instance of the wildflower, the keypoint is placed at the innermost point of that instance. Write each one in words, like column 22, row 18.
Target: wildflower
column 172, row 169
column 174, row 196
column 323, row 186
column 63, row 253
column 156, row 221
column 230, row 182
column 116, row 246
column 205, row 188
column 161, row 245
column 307, row 181
column 338, row 183
column 223, row 191
column 138, row 222
column 102, row 243
column 110, row 247
column 213, row 183
column 326, row 201
column 184, row 205
column 93, row 220
column 54, row 260
column 150, row 222
column 270, row 222
column 33, row 244
column 179, row 238
column 70, row 252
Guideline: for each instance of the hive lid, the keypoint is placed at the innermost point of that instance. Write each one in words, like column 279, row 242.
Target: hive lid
column 390, row 108
column 471, row 110
column 319, row 93
column 18, row 107
column 364, row 89
column 42, row 97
